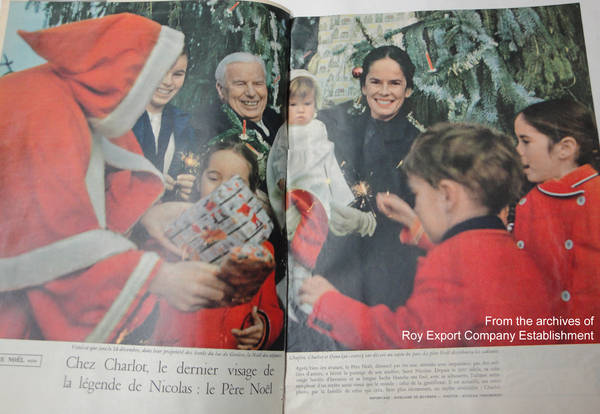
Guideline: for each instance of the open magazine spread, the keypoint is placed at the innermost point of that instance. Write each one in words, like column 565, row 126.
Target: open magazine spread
column 218, row 205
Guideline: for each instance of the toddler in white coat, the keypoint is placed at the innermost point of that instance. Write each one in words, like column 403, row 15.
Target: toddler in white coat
column 302, row 158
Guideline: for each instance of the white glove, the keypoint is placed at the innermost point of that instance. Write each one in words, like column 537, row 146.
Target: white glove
column 292, row 219
column 345, row 220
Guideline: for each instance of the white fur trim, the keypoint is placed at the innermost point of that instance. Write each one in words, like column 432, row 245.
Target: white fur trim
column 94, row 181
column 166, row 51
column 121, row 158
column 60, row 258
column 104, row 151
column 126, row 297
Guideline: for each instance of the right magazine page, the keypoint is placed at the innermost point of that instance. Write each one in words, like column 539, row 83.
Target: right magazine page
column 441, row 185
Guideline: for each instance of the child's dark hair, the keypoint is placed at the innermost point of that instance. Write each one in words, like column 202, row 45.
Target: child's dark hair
column 559, row 118
column 483, row 160
column 239, row 148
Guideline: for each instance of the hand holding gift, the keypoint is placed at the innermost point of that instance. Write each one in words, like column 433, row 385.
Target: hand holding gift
column 245, row 269
column 158, row 218
column 189, row 286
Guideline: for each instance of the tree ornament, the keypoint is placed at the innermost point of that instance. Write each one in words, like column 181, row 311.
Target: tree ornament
column 429, row 62
column 357, row 72
column 240, row 133
column 243, row 136
column 427, row 54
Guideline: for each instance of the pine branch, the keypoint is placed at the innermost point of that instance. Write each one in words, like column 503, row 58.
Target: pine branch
column 365, row 32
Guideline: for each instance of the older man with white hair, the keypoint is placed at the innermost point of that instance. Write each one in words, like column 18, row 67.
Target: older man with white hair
column 241, row 84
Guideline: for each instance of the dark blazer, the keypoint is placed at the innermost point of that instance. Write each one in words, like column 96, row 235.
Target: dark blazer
column 174, row 121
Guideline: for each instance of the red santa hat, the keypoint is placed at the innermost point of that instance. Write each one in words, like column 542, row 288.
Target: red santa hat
column 112, row 65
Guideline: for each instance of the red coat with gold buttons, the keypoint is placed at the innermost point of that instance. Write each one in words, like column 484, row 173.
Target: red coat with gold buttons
column 558, row 223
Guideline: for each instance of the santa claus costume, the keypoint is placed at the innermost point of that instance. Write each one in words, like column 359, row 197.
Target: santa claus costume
column 74, row 180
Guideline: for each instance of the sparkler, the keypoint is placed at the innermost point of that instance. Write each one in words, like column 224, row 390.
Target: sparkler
column 191, row 162
column 362, row 191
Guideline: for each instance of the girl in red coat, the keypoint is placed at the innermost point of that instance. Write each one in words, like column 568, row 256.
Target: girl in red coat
column 558, row 220
column 253, row 325
column 462, row 176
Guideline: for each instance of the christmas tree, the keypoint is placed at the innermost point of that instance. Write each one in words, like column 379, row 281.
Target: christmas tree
column 486, row 65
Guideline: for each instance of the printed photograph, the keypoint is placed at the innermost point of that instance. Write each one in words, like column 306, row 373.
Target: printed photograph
column 452, row 167
column 214, row 174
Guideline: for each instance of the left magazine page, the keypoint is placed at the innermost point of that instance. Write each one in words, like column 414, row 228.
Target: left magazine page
column 116, row 119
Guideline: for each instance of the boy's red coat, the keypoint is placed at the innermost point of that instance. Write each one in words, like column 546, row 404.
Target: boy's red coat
column 474, row 274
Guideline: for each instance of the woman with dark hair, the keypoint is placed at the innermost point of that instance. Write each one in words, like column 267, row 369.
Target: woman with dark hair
column 386, row 66
column 557, row 222
column 370, row 144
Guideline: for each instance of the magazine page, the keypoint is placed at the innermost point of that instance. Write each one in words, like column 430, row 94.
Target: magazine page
column 441, row 256
column 139, row 259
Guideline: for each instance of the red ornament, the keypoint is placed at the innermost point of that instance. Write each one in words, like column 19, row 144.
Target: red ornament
column 429, row 62
column 356, row 72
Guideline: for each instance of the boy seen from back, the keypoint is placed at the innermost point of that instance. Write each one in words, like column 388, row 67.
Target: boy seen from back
column 462, row 176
